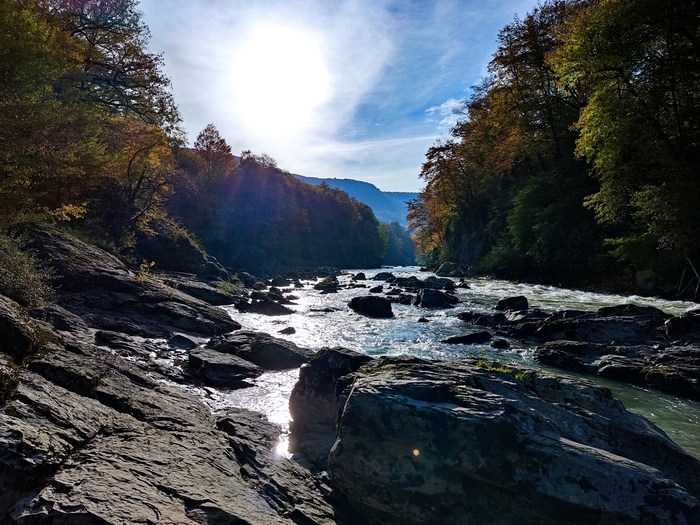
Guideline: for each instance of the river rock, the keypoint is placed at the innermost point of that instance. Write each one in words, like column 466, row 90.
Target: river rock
column 328, row 285
column 281, row 281
column 439, row 283
column 263, row 305
column 219, row 369
column 448, row 269
column 100, row 289
column 314, row 405
column 686, row 327
column 466, row 442
column 209, row 292
column 499, row 344
column 269, row 353
column 359, row 276
column 90, row 438
column 430, row 298
column 212, row 270
column 384, row 276
column 371, row 306
column 475, row 338
column 671, row 369
column 512, row 303
column 376, row 289
column 482, row 319
column 60, row 318
column 9, row 377
column 20, row 335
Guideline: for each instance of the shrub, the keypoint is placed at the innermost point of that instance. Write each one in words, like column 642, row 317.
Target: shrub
column 23, row 278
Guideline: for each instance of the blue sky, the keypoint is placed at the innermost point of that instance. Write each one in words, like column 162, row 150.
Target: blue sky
column 329, row 88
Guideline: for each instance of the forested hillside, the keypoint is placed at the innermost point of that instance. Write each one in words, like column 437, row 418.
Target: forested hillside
column 388, row 206
column 91, row 140
column 578, row 160
column 249, row 213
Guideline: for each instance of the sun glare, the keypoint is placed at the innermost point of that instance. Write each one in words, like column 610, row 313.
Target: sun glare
column 278, row 79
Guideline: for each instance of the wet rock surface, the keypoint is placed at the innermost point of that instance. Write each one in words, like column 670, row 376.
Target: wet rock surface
column 671, row 369
column 269, row 353
column 371, row 306
column 640, row 345
column 314, row 403
column 100, row 289
column 92, row 429
column 469, row 442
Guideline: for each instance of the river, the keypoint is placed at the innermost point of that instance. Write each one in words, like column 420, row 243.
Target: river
column 324, row 320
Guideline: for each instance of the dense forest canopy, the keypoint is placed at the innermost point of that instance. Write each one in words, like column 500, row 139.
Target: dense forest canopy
column 577, row 158
column 91, row 140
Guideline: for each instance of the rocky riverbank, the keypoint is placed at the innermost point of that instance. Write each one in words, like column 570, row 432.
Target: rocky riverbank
column 94, row 428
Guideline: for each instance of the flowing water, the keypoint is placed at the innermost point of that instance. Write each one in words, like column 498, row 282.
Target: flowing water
column 324, row 320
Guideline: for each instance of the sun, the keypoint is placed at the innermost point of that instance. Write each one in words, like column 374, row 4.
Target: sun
column 278, row 79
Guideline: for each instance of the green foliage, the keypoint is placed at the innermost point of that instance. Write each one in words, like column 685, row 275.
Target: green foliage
column 641, row 128
column 576, row 88
column 231, row 285
column 22, row 278
column 399, row 248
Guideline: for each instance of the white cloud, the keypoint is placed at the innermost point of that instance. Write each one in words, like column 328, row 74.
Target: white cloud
column 451, row 111
column 386, row 62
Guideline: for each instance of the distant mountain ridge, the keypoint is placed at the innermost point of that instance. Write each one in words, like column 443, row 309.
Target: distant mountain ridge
column 387, row 206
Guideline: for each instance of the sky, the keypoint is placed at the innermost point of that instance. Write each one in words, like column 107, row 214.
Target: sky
column 356, row 89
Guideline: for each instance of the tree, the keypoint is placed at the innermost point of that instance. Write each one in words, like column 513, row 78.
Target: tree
column 214, row 153
column 641, row 128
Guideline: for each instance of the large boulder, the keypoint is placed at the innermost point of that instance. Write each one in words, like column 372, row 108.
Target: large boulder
column 475, row 338
column 328, row 285
column 431, row 298
column 518, row 302
column 371, row 306
column 314, row 404
column 90, row 438
column 269, row 353
column 447, row 269
column 219, row 369
column 21, row 336
column 99, row 288
column 671, row 369
column 468, row 441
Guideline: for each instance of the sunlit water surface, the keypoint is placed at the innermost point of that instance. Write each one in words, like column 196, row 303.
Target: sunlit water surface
column 316, row 328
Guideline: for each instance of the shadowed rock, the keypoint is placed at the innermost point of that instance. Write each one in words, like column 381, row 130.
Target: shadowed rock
column 371, row 306
column 465, row 442
column 474, row 338
column 220, row 369
column 314, row 405
column 513, row 303
column 430, row 298
column 270, row 353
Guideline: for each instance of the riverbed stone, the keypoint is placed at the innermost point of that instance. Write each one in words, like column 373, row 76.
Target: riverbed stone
column 466, row 442
column 518, row 302
column 672, row 369
column 371, row 306
column 475, row 338
column 314, row 404
column 267, row 352
column 219, row 369
column 430, row 298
